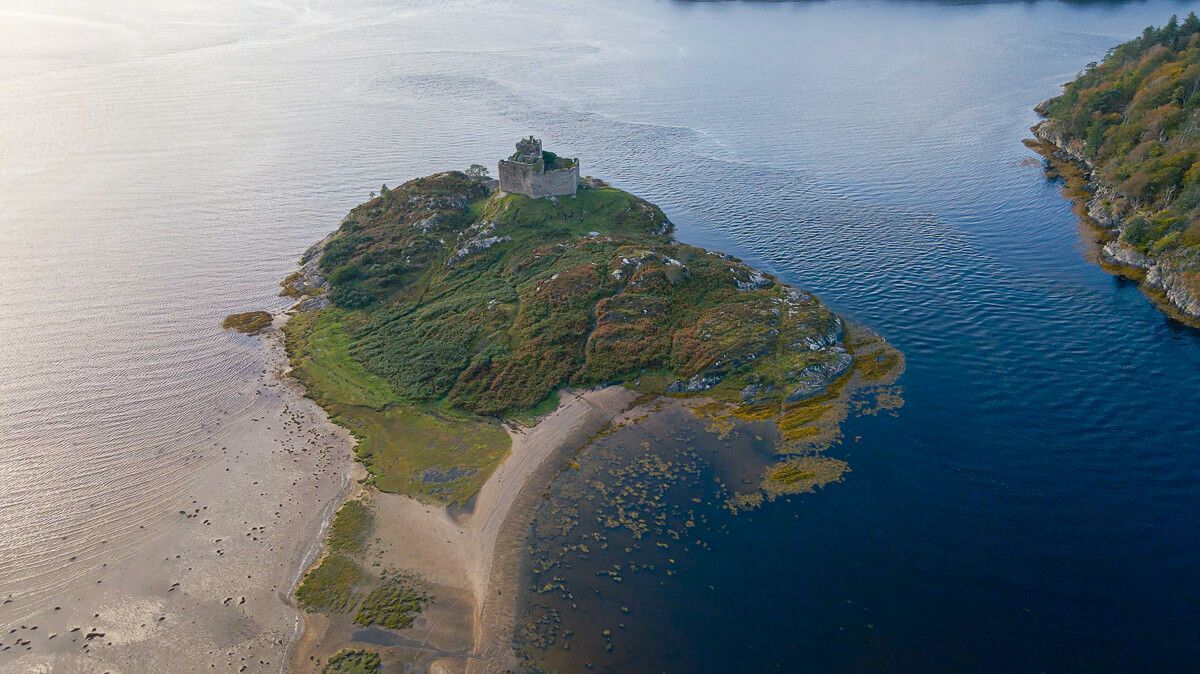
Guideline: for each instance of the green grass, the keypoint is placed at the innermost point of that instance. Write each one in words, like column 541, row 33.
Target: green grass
column 439, row 456
column 336, row 584
column 333, row 586
column 351, row 527
column 320, row 349
column 395, row 604
column 476, row 208
column 606, row 210
column 348, row 661
column 427, row 451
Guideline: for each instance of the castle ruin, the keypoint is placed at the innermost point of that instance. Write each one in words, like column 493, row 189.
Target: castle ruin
column 536, row 173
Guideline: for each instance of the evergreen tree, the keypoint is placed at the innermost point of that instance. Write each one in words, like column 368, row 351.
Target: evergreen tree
column 1191, row 26
column 1170, row 32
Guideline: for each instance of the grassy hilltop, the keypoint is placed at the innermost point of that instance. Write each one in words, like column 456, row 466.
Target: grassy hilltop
column 453, row 306
column 1134, row 119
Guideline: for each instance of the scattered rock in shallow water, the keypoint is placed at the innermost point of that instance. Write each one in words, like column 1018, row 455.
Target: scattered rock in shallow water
column 249, row 322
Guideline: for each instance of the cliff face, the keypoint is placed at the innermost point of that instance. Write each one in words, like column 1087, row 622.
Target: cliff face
column 1170, row 276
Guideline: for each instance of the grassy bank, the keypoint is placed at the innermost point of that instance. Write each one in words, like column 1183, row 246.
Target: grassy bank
column 428, row 451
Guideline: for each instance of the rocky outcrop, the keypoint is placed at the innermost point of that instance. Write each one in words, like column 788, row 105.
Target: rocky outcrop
column 749, row 279
column 309, row 284
column 479, row 242
column 1119, row 252
column 815, row 379
column 1177, row 281
column 1173, row 277
column 696, row 384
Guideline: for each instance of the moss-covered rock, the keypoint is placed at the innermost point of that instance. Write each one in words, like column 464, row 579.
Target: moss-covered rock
column 250, row 322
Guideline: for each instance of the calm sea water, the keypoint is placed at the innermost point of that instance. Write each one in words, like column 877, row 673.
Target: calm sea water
column 1034, row 506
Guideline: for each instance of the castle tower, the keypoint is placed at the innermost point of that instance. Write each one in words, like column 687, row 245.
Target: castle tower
column 536, row 173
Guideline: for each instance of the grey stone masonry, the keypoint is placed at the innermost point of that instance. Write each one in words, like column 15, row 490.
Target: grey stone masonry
column 526, row 172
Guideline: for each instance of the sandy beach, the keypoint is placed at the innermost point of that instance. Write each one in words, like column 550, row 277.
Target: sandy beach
column 469, row 560
column 200, row 581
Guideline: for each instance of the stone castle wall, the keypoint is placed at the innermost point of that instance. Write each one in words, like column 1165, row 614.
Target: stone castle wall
column 518, row 178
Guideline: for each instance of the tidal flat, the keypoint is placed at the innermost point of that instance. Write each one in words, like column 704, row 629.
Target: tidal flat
column 199, row 580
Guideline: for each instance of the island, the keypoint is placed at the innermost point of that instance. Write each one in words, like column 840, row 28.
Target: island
column 475, row 334
column 1124, row 137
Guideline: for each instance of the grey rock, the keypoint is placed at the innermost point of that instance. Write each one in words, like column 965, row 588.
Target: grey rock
column 1122, row 253
column 696, row 384
column 816, row 378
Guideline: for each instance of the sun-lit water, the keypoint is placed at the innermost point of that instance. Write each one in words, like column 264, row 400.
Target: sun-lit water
column 1033, row 506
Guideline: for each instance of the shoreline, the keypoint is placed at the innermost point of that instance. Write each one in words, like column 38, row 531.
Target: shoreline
column 471, row 561
column 1158, row 281
column 205, row 583
column 588, row 413
column 474, row 561
column 312, row 554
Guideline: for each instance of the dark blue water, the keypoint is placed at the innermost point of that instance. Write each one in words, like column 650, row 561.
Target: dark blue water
column 1035, row 506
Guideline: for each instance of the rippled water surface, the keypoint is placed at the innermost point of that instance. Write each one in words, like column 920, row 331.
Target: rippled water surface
column 1033, row 507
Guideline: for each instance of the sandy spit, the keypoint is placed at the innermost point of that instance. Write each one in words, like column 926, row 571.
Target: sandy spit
column 470, row 560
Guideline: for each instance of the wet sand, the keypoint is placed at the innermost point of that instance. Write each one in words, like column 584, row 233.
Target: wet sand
column 471, row 560
column 199, row 581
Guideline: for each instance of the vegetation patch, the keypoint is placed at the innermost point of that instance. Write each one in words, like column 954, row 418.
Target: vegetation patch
column 490, row 303
column 802, row 475
column 348, row 661
column 333, row 586
column 289, row 286
column 395, row 603
column 408, row 447
column 339, row 584
column 351, row 527
column 455, row 307
column 249, row 322
column 318, row 345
